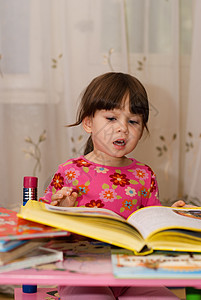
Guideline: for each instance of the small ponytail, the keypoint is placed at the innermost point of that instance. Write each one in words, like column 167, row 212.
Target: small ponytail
column 89, row 146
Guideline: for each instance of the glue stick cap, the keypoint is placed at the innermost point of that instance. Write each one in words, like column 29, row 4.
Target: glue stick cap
column 29, row 289
column 30, row 182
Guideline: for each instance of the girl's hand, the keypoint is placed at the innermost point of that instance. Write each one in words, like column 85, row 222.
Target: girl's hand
column 64, row 197
column 181, row 203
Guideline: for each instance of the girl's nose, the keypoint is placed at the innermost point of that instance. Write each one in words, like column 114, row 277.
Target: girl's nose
column 122, row 127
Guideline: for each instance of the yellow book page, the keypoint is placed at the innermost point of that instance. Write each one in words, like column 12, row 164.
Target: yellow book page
column 173, row 240
column 107, row 230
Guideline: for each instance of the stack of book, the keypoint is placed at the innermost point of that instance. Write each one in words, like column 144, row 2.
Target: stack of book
column 146, row 231
column 22, row 242
column 170, row 235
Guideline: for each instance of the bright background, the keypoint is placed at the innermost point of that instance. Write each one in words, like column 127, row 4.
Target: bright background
column 51, row 49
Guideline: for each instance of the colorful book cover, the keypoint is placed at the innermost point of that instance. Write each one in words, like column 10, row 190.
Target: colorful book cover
column 160, row 264
column 12, row 228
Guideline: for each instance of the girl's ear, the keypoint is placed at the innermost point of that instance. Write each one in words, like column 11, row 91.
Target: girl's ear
column 86, row 124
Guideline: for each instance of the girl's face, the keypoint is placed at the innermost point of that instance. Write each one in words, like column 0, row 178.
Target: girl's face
column 115, row 133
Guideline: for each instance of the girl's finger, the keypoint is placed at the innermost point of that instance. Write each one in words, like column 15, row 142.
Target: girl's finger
column 54, row 202
column 74, row 194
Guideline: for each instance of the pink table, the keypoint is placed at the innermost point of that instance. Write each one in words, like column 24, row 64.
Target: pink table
column 41, row 277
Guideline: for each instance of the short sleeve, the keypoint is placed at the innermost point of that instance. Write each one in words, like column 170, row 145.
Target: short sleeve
column 57, row 182
column 153, row 191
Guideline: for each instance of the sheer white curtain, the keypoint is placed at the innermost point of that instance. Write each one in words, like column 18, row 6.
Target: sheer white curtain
column 192, row 170
column 51, row 49
column 32, row 106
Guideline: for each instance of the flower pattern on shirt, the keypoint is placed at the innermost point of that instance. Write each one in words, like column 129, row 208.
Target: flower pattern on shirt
column 101, row 170
column 119, row 179
column 82, row 189
column 127, row 204
column 144, row 192
column 140, row 174
column 130, row 191
column 57, row 181
column 122, row 190
column 153, row 185
column 71, row 174
column 151, row 171
column 95, row 203
column 108, row 195
column 81, row 163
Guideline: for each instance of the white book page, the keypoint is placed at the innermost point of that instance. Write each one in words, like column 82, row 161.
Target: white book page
column 151, row 219
column 87, row 211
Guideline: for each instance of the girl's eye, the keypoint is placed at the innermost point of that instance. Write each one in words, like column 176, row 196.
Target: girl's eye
column 111, row 118
column 133, row 122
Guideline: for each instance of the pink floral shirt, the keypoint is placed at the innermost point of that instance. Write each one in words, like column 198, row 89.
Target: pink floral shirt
column 122, row 189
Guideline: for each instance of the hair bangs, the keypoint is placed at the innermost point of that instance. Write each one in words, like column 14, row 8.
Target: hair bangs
column 109, row 91
column 109, row 99
column 139, row 105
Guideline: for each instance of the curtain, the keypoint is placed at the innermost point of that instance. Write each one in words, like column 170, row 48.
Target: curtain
column 51, row 49
column 32, row 105
column 192, row 163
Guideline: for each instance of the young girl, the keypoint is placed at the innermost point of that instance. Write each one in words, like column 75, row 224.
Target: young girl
column 114, row 111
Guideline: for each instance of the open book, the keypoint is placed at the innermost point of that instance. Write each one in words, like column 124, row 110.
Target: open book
column 147, row 229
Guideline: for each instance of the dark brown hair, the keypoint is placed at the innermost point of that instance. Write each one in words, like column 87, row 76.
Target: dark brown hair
column 108, row 91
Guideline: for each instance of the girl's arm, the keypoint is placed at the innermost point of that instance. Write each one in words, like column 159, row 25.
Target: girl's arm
column 59, row 192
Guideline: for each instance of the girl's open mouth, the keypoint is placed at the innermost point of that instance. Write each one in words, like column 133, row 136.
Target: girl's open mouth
column 119, row 143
